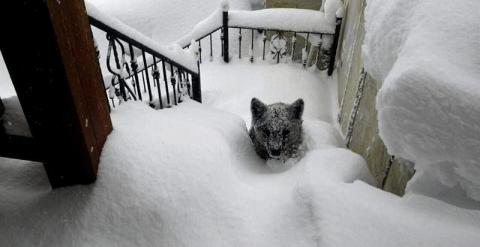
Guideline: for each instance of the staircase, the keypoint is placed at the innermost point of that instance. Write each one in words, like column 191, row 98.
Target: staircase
column 136, row 64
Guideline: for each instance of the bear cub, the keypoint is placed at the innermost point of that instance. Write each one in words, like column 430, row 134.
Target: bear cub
column 276, row 130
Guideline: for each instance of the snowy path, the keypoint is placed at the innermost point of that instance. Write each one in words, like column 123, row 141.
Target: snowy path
column 188, row 176
column 231, row 88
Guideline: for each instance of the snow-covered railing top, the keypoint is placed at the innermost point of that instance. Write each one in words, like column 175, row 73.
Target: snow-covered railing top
column 175, row 55
column 277, row 19
column 298, row 20
column 281, row 27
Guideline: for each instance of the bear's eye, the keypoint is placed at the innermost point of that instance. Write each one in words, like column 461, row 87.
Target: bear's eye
column 285, row 133
column 266, row 133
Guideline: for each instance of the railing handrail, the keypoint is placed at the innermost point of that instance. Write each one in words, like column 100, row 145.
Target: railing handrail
column 317, row 22
column 184, row 71
column 279, row 30
column 118, row 29
column 325, row 23
column 215, row 22
column 187, row 44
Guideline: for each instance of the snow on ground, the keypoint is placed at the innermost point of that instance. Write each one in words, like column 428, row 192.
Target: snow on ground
column 224, row 89
column 188, row 176
column 164, row 188
column 426, row 53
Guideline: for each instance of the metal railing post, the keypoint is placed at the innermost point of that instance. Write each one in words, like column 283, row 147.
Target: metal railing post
column 226, row 56
column 333, row 48
column 196, row 86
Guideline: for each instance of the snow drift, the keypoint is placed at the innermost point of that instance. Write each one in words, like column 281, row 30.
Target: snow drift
column 186, row 176
column 189, row 176
column 426, row 54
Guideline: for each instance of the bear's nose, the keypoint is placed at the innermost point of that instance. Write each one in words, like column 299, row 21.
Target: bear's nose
column 275, row 152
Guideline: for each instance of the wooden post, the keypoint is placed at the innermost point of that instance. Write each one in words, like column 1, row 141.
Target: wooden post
column 333, row 48
column 50, row 55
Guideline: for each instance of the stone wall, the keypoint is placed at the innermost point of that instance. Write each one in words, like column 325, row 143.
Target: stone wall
column 357, row 98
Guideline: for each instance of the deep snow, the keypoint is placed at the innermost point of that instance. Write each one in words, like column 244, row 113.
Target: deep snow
column 224, row 89
column 188, row 176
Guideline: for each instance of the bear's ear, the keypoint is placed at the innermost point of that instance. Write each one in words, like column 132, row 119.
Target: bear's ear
column 296, row 109
column 257, row 108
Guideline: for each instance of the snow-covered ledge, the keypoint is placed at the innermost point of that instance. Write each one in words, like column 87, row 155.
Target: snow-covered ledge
column 427, row 55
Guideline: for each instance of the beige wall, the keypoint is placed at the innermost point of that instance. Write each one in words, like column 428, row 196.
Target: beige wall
column 389, row 173
column 300, row 4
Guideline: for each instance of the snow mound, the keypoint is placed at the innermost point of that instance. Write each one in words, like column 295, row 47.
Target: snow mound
column 186, row 176
column 426, row 53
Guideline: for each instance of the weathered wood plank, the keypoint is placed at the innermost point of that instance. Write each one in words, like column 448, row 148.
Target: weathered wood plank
column 50, row 56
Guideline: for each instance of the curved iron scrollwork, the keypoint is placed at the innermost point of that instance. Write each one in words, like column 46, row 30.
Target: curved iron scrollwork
column 120, row 71
column 278, row 46
column 130, row 61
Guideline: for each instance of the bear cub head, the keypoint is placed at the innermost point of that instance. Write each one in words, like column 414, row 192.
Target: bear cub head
column 276, row 129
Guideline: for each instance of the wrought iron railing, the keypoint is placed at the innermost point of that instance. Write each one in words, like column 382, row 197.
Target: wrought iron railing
column 159, row 79
column 139, row 71
column 323, row 56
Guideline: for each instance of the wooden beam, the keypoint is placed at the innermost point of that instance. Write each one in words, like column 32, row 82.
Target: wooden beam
column 51, row 58
column 19, row 147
